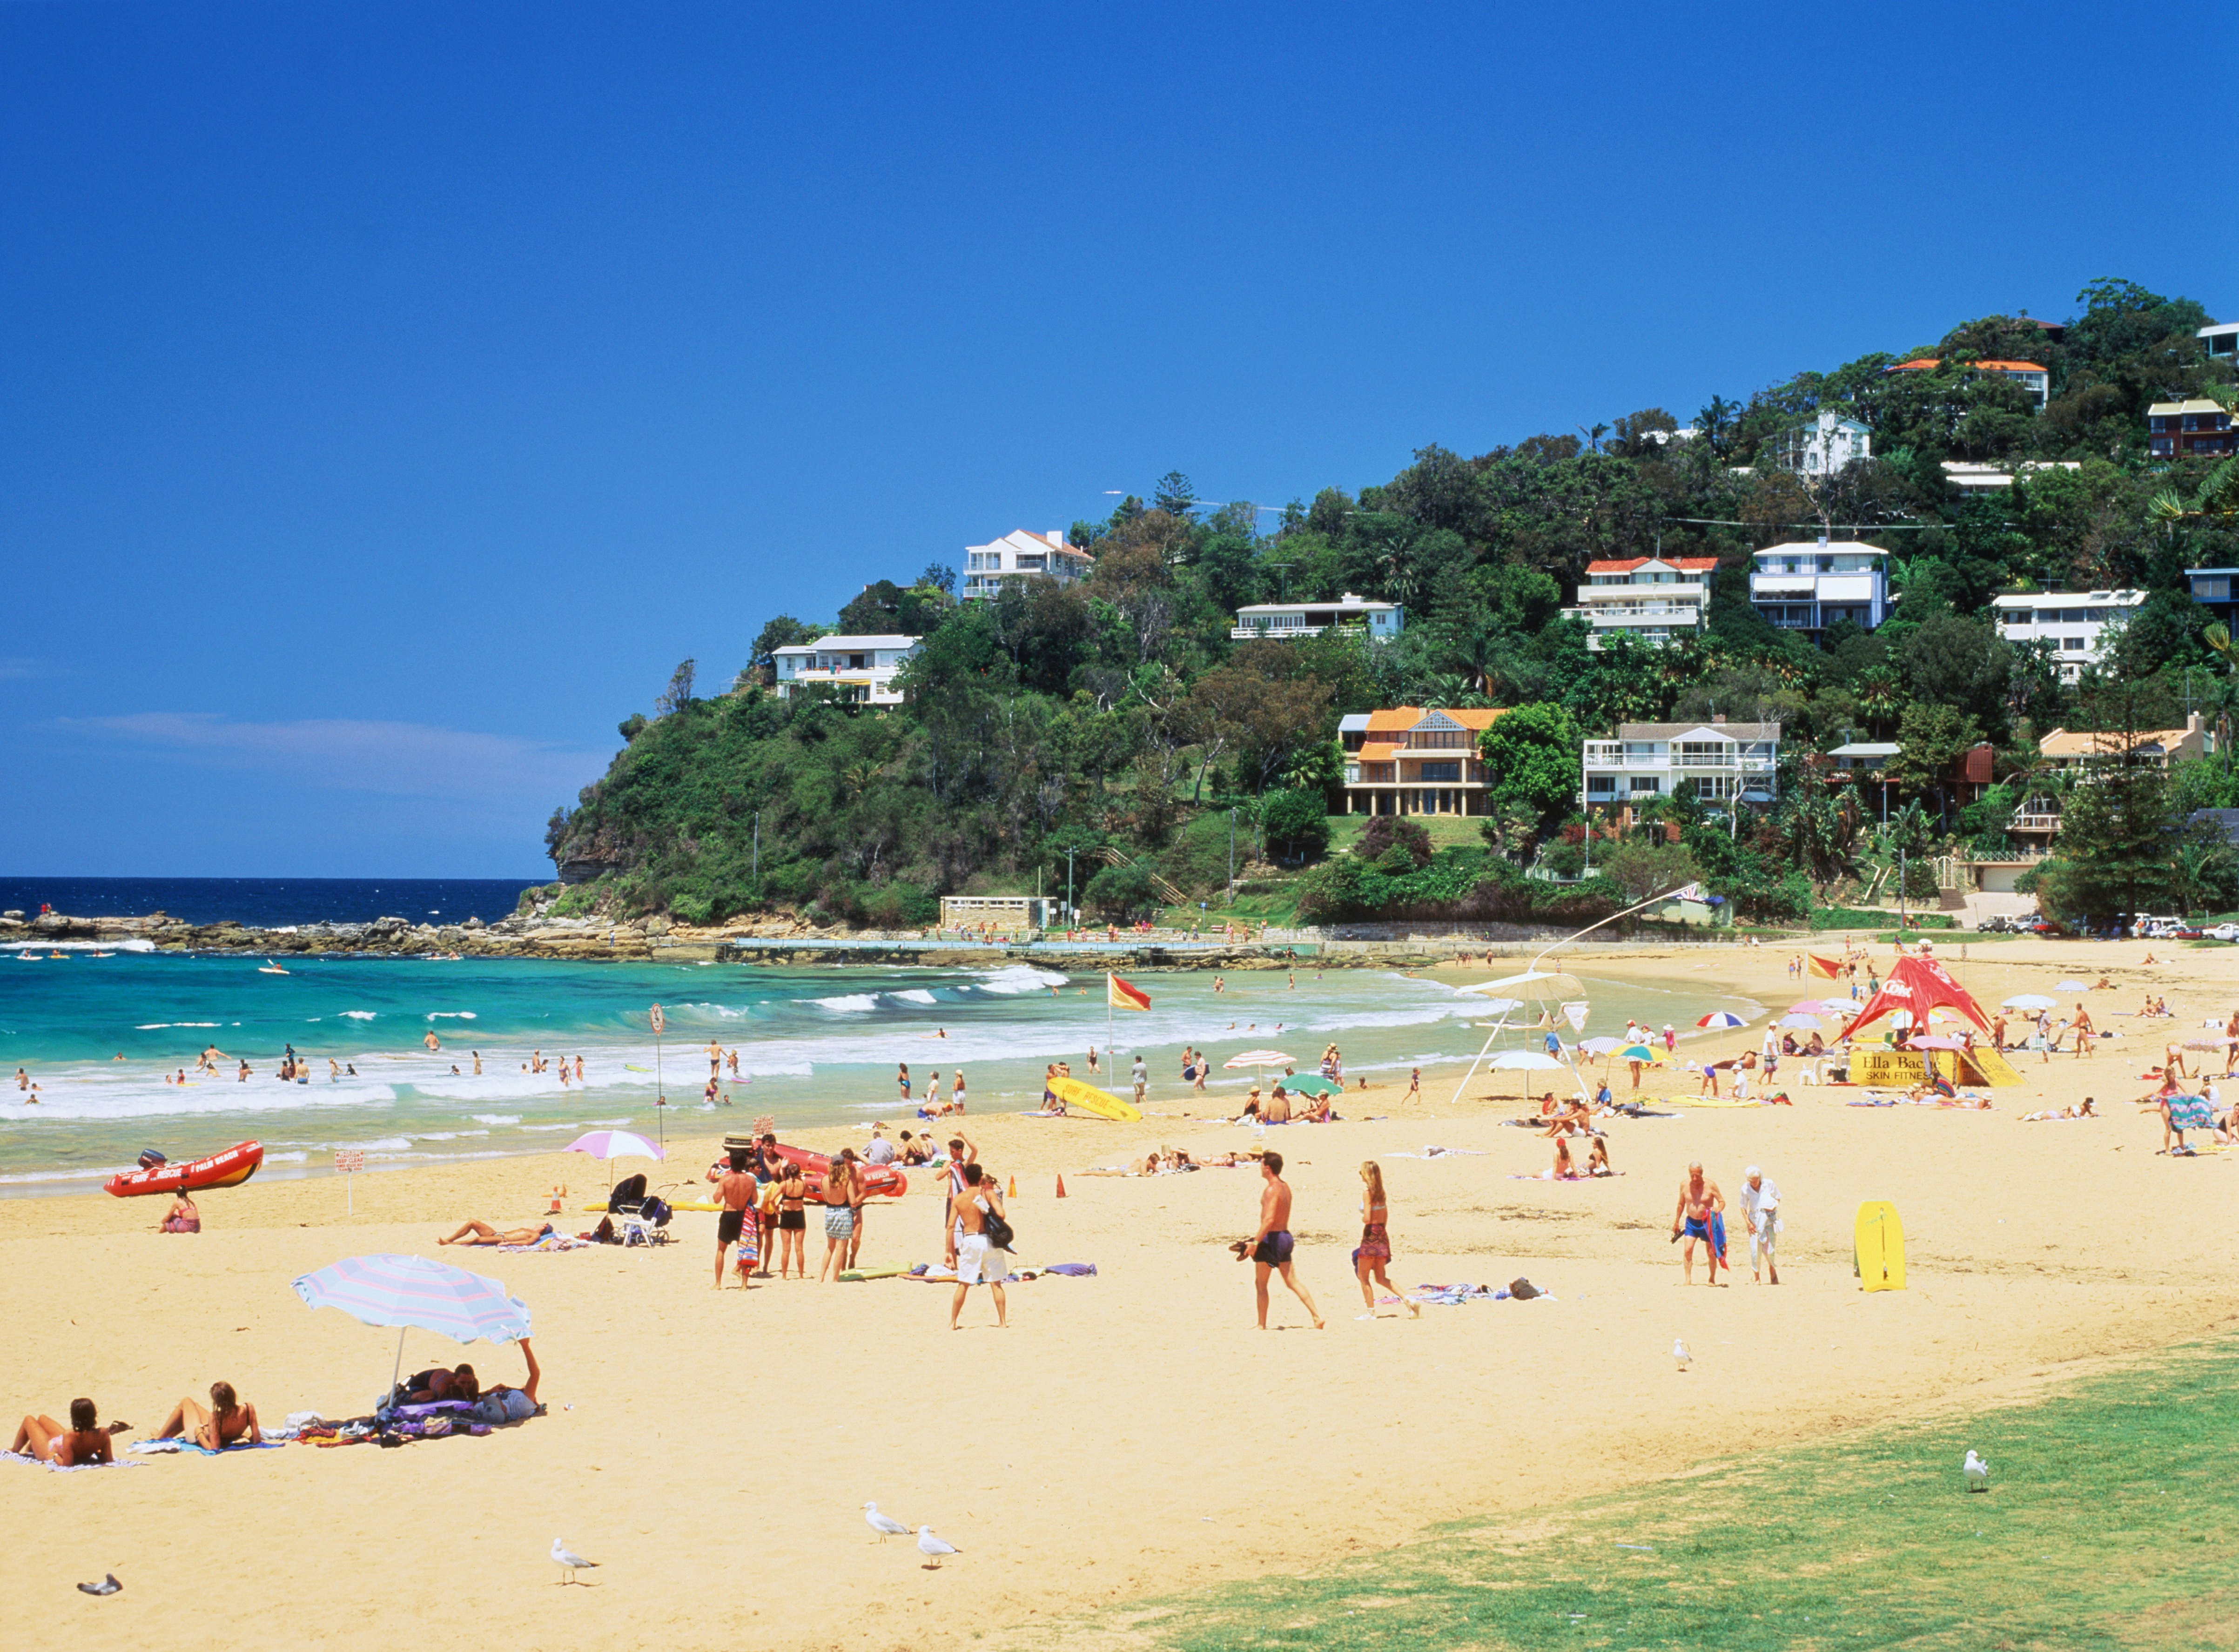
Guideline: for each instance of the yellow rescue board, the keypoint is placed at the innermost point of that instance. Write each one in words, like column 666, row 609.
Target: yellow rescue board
column 1087, row 1098
column 1880, row 1247
column 1994, row 1067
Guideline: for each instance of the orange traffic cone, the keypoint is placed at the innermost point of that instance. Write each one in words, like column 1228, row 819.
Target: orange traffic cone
column 1061, row 1187
column 1011, row 1192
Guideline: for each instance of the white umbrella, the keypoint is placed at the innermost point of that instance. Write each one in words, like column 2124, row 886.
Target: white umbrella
column 2027, row 1001
column 1800, row 1021
column 1259, row 1060
column 1523, row 1061
column 403, row 1291
column 2071, row 987
column 1601, row 1046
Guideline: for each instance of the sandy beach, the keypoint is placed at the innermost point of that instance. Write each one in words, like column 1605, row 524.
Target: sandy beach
column 1130, row 1433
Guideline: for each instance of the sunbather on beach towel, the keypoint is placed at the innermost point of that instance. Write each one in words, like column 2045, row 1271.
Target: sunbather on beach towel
column 84, row 1442
column 483, row 1233
column 502, row 1403
column 227, row 1421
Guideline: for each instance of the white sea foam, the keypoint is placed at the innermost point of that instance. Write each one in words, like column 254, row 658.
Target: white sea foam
column 496, row 1119
column 450, row 1015
column 135, row 945
column 359, row 1015
column 848, row 1003
column 155, row 1026
column 917, row 995
column 1020, row 977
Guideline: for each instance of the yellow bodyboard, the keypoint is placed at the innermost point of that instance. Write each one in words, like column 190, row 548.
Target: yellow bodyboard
column 1997, row 1070
column 1880, row 1247
column 1087, row 1098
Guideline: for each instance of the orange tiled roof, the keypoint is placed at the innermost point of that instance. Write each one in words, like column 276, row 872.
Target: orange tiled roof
column 1918, row 364
column 1625, row 565
column 2013, row 367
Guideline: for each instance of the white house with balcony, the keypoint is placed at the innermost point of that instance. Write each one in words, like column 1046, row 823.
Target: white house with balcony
column 2081, row 625
column 862, row 668
column 1808, row 586
column 1650, row 599
column 1824, row 447
column 1719, row 762
column 1023, row 554
column 1378, row 622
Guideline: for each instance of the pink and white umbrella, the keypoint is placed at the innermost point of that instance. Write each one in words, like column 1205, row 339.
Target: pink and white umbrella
column 611, row 1144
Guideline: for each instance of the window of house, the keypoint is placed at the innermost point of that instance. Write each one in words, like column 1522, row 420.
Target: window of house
column 1442, row 772
column 2073, row 644
column 1644, row 783
column 1600, row 785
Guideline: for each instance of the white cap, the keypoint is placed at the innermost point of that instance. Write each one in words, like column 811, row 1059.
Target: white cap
column 1751, row 1170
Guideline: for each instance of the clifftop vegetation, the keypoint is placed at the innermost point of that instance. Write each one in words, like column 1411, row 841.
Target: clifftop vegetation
column 1118, row 714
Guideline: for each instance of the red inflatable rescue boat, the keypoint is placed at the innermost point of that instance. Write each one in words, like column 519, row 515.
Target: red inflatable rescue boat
column 879, row 1181
column 229, row 1169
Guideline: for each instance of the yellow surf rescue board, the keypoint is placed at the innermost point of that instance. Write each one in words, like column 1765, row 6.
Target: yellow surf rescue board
column 1087, row 1098
column 1880, row 1247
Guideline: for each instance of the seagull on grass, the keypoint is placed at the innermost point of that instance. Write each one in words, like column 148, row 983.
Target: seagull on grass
column 1977, row 1472
column 569, row 1561
column 885, row 1525
column 933, row 1549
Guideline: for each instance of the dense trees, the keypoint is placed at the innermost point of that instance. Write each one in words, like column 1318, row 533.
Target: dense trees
column 1120, row 708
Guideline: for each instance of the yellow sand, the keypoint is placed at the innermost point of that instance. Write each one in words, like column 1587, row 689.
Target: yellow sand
column 1129, row 1433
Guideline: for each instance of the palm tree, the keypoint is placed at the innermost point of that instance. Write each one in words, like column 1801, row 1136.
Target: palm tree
column 2217, row 501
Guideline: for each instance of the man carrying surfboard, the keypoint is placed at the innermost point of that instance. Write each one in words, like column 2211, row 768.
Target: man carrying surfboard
column 1700, row 1215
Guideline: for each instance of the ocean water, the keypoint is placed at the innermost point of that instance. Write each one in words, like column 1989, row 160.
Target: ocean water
column 816, row 1047
column 270, row 903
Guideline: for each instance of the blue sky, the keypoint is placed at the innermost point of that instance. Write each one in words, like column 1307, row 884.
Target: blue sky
column 389, row 396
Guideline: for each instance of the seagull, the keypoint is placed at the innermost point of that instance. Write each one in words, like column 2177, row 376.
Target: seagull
column 1679, row 1353
column 108, row 1585
column 568, row 1560
column 885, row 1525
column 1977, row 1472
column 933, row 1549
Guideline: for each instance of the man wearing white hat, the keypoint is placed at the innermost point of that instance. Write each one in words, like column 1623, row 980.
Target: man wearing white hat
column 1761, row 1210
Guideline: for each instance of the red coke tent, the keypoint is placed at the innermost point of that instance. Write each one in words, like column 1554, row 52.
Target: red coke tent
column 1918, row 985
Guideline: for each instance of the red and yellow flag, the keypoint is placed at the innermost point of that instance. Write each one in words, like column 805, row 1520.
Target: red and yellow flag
column 1825, row 968
column 1121, row 996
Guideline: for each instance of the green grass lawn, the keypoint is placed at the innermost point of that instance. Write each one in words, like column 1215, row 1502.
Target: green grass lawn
column 1447, row 831
column 2111, row 1505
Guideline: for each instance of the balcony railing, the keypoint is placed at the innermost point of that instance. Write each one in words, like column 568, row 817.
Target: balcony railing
column 2035, row 823
column 1625, row 613
column 1612, row 760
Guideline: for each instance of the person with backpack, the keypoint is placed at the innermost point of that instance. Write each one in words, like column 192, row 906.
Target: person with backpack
column 983, row 1239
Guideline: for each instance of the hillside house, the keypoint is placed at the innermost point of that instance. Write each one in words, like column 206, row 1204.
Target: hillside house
column 1650, row 599
column 1022, row 554
column 1416, row 761
column 861, row 668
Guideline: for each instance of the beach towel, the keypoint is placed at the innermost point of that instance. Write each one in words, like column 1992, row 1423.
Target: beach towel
column 1072, row 1269
column 175, row 1445
column 2191, row 1112
column 552, row 1242
column 63, row 1468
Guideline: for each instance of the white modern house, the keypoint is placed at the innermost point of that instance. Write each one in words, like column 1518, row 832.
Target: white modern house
column 1651, row 599
column 1808, row 586
column 1720, row 761
column 2077, row 623
column 863, row 668
column 1822, row 447
column 2222, row 339
column 1378, row 622
column 1023, row 554
column 1976, row 479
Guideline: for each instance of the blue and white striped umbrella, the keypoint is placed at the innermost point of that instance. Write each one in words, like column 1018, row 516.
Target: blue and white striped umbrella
column 411, row 1291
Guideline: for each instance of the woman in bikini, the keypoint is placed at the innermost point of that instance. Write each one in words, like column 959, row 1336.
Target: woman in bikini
column 82, row 1444
column 1374, row 1256
column 1597, row 1158
column 792, row 1221
column 1565, row 1168
column 184, row 1217
column 227, row 1421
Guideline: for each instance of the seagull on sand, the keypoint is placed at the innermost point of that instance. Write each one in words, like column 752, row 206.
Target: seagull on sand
column 1679, row 1353
column 108, row 1585
column 885, row 1525
column 933, row 1549
column 1977, row 1472
column 569, row 1561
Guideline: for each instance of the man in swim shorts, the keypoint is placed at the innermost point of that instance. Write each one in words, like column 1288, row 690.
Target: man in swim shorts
column 1700, row 1215
column 1271, row 1244
column 979, row 1260
column 735, row 1187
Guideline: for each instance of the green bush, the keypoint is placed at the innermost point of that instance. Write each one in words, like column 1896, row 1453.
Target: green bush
column 1119, row 894
column 1296, row 823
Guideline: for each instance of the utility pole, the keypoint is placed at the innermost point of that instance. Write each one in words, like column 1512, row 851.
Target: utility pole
column 1232, row 854
column 1900, row 888
column 758, row 846
column 1069, row 853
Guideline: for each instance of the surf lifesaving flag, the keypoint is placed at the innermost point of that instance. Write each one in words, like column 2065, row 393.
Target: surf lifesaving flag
column 1120, row 996
column 1825, row 968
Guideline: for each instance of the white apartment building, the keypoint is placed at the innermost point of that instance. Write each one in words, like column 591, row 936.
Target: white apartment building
column 2077, row 623
column 1023, row 554
column 1378, row 622
column 1651, row 599
column 1720, row 761
column 1976, row 479
column 1822, row 447
column 863, row 668
column 1805, row 586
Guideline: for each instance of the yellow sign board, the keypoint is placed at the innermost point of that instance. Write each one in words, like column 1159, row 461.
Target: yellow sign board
column 1902, row 1069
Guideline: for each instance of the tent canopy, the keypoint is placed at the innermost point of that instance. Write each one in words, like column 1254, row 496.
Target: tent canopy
column 1918, row 985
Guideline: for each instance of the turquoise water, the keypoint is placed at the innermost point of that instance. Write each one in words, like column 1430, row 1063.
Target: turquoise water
column 815, row 1047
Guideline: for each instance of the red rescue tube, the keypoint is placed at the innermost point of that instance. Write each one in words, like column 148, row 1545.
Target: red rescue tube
column 229, row 1169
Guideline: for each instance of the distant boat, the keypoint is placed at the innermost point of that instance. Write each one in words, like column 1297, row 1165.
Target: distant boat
column 100, row 954
column 269, row 968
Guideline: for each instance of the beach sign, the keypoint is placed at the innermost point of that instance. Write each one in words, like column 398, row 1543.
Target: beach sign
column 1880, row 1256
column 660, row 1021
column 348, row 1161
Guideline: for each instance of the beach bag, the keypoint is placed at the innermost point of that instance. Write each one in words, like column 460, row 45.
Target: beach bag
column 630, row 1191
column 1522, row 1290
column 999, row 1232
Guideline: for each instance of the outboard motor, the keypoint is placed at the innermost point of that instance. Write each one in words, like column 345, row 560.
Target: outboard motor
column 149, row 1158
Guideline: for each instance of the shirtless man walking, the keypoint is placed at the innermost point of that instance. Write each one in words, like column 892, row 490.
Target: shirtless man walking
column 1699, row 1215
column 736, row 1188
column 1272, row 1244
column 980, row 1261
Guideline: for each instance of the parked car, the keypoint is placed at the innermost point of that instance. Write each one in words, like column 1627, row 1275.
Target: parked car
column 2224, row 932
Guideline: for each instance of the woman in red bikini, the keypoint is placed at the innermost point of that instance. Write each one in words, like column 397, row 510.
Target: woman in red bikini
column 1369, row 1262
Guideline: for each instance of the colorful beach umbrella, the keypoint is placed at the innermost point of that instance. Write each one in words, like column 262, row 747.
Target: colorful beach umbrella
column 412, row 1293
column 1314, row 1085
column 1636, row 1053
column 1721, row 1018
column 1938, row 1041
column 611, row 1144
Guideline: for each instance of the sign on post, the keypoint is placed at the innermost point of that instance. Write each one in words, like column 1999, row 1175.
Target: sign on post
column 350, row 1161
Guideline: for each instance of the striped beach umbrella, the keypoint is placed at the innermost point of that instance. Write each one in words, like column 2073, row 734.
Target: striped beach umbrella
column 412, row 1293
column 1721, row 1018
